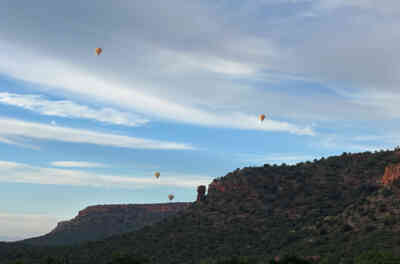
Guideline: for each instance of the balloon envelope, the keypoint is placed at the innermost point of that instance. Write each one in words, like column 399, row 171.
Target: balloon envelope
column 157, row 174
column 262, row 117
column 170, row 197
column 98, row 51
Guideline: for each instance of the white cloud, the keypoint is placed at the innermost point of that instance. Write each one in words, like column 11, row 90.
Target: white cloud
column 385, row 7
column 383, row 103
column 17, row 128
column 20, row 144
column 260, row 159
column 387, row 141
column 217, row 42
column 10, row 165
column 348, row 144
column 73, row 81
column 23, row 173
column 173, row 76
column 183, row 62
column 70, row 109
column 77, row 164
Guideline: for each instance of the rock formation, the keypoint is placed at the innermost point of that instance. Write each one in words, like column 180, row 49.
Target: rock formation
column 392, row 173
column 201, row 193
column 101, row 221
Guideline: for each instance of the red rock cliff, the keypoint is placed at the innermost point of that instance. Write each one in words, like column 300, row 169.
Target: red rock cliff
column 218, row 187
column 392, row 173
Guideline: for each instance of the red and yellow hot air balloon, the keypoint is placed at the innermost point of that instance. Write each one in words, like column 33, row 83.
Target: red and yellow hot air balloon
column 98, row 51
column 157, row 174
column 170, row 197
column 262, row 117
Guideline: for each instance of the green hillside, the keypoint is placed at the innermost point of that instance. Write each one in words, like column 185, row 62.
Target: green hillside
column 334, row 208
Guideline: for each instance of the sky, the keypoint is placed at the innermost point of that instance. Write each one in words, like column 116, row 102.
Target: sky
column 178, row 89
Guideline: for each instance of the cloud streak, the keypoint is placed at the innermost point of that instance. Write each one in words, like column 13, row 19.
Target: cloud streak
column 65, row 108
column 77, row 164
column 260, row 159
column 352, row 144
column 19, row 144
column 16, row 128
column 139, row 95
column 198, row 76
column 23, row 173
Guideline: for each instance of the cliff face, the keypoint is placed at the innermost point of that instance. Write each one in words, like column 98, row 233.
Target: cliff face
column 332, row 207
column 392, row 173
column 101, row 221
column 124, row 208
column 201, row 193
column 309, row 208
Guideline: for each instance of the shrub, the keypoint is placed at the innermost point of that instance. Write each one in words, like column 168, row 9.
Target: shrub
column 121, row 258
column 376, row 257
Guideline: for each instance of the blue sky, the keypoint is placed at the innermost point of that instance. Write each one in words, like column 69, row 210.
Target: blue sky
column 178, row 89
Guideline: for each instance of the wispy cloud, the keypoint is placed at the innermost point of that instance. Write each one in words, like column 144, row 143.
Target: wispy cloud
column 186, row 62
column 260, row 159
column 383, row 103
column 388, row 7
column 352, row 144
column 77, row 164
column 16, row 128
column 20, row 144
column 10, row 165
column 133, row 96
column 140, row 78
column 23, row 173
column 386, row 141
column 65, row 108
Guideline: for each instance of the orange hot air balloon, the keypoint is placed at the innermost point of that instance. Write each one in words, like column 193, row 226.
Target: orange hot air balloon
column 98, row 51
column 171, row 196
column 262, row 117
column 157, row 174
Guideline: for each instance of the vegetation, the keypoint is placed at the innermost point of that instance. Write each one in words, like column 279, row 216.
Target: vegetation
column 369, row 257
column 333, row 207
column 376, row 257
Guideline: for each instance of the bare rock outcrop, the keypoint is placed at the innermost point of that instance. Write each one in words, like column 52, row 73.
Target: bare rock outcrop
column 392, row 173
column 201, row 193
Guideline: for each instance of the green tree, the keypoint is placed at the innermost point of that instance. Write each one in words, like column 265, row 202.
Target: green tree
column 377, row 257
column 291, row 260
column 123, row 258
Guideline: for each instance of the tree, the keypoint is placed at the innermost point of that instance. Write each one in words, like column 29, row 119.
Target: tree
column 123, row 258
column 376, row 257
column 290, row 260
column 51, row 260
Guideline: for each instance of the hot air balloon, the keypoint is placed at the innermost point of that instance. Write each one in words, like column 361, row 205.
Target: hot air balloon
column 98, row 51
column 157, row 174
column 170, row 196
column 262, row 117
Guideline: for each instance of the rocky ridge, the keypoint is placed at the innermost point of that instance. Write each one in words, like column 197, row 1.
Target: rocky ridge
column 336, row 208
column 100, row 221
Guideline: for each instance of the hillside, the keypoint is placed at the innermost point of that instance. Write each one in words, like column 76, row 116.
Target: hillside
column 336, row 208
column 101, row 221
